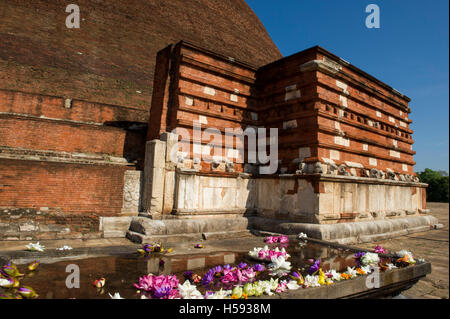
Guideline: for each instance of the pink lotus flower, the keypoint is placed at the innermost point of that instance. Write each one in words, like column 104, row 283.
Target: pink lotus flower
column 379, row 250
column 160, row 287
column 283, row 239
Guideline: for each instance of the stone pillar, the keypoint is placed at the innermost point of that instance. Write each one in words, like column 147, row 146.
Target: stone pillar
column 154, row 173
column 132, row 193
column 171, row 141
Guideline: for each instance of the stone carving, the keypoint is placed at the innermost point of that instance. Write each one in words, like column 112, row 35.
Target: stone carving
column 390, row 174
column 131, row 191
column 229, row 166
column 302, row 168
column 318, row 168
column 374, row 173
column 342, row 170
column 215, row 164
column 365, row 172
column 332, row 169
column 402, row 178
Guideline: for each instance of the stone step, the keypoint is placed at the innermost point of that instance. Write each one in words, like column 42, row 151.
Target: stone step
column 150, row 227
column 143, row 239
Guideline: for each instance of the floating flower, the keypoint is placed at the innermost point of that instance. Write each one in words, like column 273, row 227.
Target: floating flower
column 115, row 296
column 237, row 292
column 6, row 282
column 65, row 247
column 315, row 267
column 33, row 266
column 302, row 236
column 282, row 287
column 188, row 291
column 11, row 269
column 35, row 247
column 271, row 240
column 345, row 276
column 266, row 254
column 27, row 292
column 258, row 267
column 351, row 272
column 379, row 250
column 159, row 287
column 322, row 277
column 405, row 256
column 221, row 294
column 277, row 239
column 391, row 266
column 312, row 281
column 298, row 278
column 100, row 283
column 369, row 259
column 279, row 264
column 293, row 285
column 199, row 246
column 333, row 275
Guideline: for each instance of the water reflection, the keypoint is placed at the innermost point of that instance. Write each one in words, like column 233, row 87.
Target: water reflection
column 121, row 272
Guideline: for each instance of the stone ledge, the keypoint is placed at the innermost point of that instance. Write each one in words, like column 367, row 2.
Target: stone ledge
column 349, row 233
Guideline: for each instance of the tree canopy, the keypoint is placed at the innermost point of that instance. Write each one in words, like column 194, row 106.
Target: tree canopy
column 438, row 185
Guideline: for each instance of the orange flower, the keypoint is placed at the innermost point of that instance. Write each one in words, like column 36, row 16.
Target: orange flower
column 345, row 276
column 360, row 271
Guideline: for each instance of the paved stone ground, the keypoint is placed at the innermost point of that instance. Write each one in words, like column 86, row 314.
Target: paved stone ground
column 433, row 247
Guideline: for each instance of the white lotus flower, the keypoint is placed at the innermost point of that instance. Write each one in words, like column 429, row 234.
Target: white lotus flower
column 302, row 236
column 35, row 247
column 188, row 291
column 4, row 282
column 279, row 263
column 115, row 296
column 367, row 269
column 312, row 281
column 391, row 266
column 351, row 272
column 65, row 247
column 335, row 276
column 369, row 259
column 221, row 294
column 293, row 285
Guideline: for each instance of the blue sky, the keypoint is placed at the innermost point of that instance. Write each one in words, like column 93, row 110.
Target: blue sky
column 410, row 52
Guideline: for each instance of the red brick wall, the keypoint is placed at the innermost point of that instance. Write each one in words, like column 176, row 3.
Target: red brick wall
column 70, row 188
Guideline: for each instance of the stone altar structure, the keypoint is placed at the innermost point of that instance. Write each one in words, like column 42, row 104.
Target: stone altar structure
column 345, row 158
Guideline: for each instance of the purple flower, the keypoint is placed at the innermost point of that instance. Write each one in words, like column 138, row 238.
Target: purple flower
column 358, row 256
column 227, row 267
column 208, row 278
column 258, row 267
column 315, row 267
column 188, row 274
column 217, row 269
column 242, row 265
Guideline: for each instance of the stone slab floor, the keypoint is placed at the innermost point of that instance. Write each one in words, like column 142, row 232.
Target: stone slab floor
column 431, row 246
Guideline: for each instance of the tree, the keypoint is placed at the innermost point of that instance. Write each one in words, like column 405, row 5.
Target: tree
column 438, row 185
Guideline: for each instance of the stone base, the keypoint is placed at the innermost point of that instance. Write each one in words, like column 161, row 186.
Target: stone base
column 144, row 229
column 349, row 233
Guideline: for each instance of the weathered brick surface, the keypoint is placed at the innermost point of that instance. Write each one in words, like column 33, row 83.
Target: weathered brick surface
column 324, row 108
column 71, row 188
